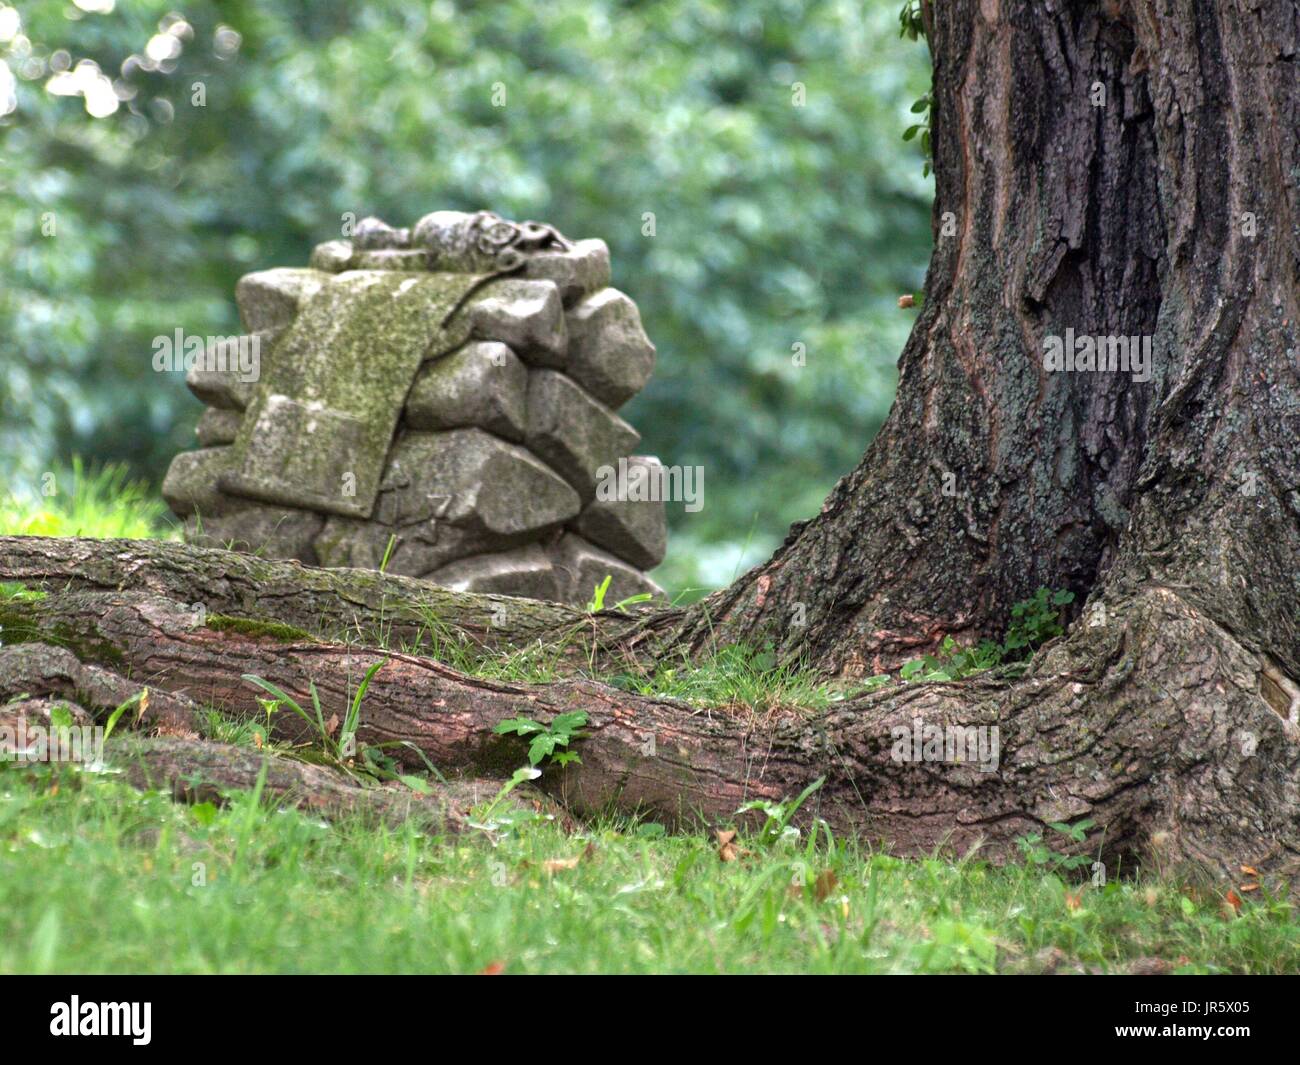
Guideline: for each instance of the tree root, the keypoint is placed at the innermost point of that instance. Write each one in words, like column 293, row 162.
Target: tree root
column 1147, row 719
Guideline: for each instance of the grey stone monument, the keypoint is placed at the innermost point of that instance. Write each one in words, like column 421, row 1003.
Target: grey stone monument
column 443, row 396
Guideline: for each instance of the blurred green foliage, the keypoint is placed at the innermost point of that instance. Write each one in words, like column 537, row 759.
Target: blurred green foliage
column 763, row 136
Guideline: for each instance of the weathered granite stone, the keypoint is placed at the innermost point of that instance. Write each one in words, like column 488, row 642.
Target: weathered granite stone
column 482, row 242
column 410, row 259
column 218, row 427
column 452, row 240
column 405, row 367
column 527, row 315
column 582, row 566
column 635, row 529
column 190, row 486
column 572, row 432
column 578, row 271
column 446, row 496
column 214, row 519
column 220, row 381
column 321, row 422
column 474, row 481
column 609, row 353
column 525, row 571
column 416, row 550
column 481, row 384
column 269, row 299
column 373, row 233
column 332, row 257
column 304, row 454
column 272, row 532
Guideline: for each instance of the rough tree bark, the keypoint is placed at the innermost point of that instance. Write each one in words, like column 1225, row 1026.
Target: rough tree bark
column 337, row 604
column 1128, row 218
column 1170, row 712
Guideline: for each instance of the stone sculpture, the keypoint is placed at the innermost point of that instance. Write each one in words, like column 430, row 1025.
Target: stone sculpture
column 439, row 401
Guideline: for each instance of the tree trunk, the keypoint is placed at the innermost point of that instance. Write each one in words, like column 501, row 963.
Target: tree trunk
column 1167, row 208
column 1115, row 169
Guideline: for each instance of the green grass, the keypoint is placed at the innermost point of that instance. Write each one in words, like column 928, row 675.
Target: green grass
column 736, row 676
column 98, row 502
column 534, row 663
column 95, row 877
column 16, row 592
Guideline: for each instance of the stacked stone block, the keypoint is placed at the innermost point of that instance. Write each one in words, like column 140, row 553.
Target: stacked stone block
column 489, row 482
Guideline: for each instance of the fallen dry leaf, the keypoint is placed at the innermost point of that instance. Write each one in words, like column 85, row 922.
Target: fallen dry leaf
column 1250, row 870
column 1231, row 903
column 556, row 865
column 825, row 884
column 332, row 725
column 727, row 849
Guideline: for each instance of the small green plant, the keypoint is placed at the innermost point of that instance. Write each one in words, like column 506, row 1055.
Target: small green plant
column 14, row 592
column 343, row 747
column 388, row 553
column 1034, row 621
column 562, row 730
column 632, row 600
column 911, row 24
column 779, row 814
column 138, row 699
column 597, row 601
column 242, row 732
column 60, row 718
column 1037, row 852
column 953, row 662
column 341, row 750
column 922, row 107
column 488, row 818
